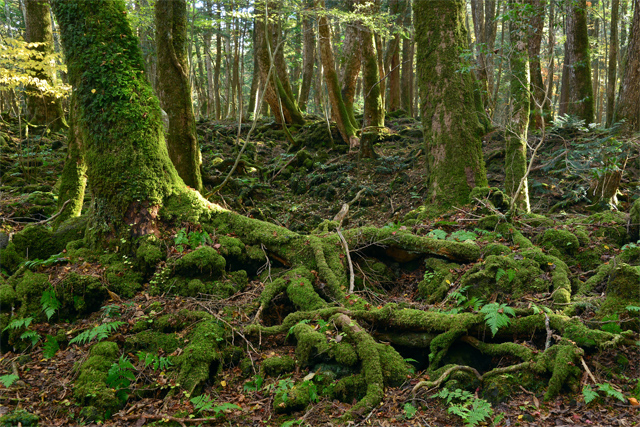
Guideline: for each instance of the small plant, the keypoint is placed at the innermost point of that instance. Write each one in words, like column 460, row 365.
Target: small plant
column 283, row 387
column 111, row 310
column 409, row 411
column 49, row 302
column 254, row 385
column 463, row 236
column 193, row 239
column 50, row 347
column 203, row 403
column 633, row 308
column 53, row 259
column 437, row 234
column 98, row 333
column 24, row 323
column 630, row 246
column 8, row 380
column 496, row 316
column 511, row 274
column 120, row 377
column 611, row 324
column 590, row 394
column 462, row 403
column 155, row 361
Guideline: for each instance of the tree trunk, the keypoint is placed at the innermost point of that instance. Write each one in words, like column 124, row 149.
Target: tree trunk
column 43, row 108
column 216, row 75
column 255, row 81
column 479, row 23
column 268, row 47
column 174, row 90
column 207, row 35
column 451, row 127
column 548, row 106
column 347, row 130
column 373, row 121
column 128, row 167
column 352, row 59
column 308, row 57
column 516, row 138
column 628, row 108
column 392, row 56
column 581, row 101
column 406, row 79
column 538, row 92
column 613, row 61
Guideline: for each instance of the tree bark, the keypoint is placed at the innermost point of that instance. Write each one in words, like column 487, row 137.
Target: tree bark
column 347, row 130
column 352, row 60
column 516, row 148
column 581, row 101
column 406, row 79
column 43, row 108
column 216, row 74
column 373, row 121
column 451, row 127
column 174, row 90
column 392, row 57
column 308, row 57
column 628, row 108
column 613, row 61
column 538, row 92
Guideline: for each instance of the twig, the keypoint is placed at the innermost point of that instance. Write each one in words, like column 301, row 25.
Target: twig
column 549, row 332
column 346, row 249
column 436, row 383
column 586, row 368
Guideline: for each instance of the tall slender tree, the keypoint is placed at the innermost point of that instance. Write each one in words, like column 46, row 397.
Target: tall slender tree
column 581, row 101
column 42, row 107
column 451, row 129
column 613, row 61
column 628, row 107
column 308, row 55
column 174, row 89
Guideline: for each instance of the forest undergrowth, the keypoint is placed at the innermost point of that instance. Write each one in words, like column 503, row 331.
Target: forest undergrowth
column 463, row 318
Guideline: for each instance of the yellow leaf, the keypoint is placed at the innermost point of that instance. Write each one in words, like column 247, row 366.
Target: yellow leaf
column 223, row 383
column 550, row 263
column 93, row 91
column 448, row 281
column 606, row 247
column 633, row 401
column 519, row 417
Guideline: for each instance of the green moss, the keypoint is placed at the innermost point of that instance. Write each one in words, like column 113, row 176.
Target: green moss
column 29, row 291
column 434, row 286
column 149, row 254
column 311, row 343
column 153, row 342
column 81, row 293
column 276, row 366
column 123, row 279
column 203, row 261
column 8, row 296
column 36, row 242
column 10, row 259
column 90, row 389
column 494, row 195
column 394, row 369
column 19, row 417
column 201, row 359
column 294, row 399
column 70, row 230
column 564, row 242
column 349, row 388
column 345, row 354
column 496, row 249
column 634, row 221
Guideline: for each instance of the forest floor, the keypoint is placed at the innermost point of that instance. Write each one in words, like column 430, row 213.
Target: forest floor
column 299, row 191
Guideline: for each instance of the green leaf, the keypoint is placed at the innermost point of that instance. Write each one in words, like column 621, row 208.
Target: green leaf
column 50, row 347
column 98, row 333
column 49, row 302
column 589, row 394
column 409, row 411
column 611, row 392
column 497, row 316
column 8, row 380
column 437, row 234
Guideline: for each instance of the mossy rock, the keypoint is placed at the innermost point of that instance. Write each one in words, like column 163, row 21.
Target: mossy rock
column 70, row 230
column 153, row 342
column 276, row 366
column 37, row 204
column 81, row 293
column 201, row 358
column 8, row 297
column 563, row 241
column 623, row 289
column 19, row 417
column 10, row 259
column 123, row 279
column 295, row 399
column 90, row 389
column 149, row 254
column 434, row 287
column 505, row 276
column 496, row 249
column 29, row 291
column 634, row 221
column 350, row 388
column 204, row 261
column 36, row 242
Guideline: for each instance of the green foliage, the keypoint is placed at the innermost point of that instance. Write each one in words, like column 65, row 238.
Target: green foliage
column 462, row 236
column 193, row 239
column 590, row 394
column 98, row 333
column 464, row 404
column 50, row 347
column 120, row 377
column 496, row 316
column 53, row 259
column 409, row 411
column 292, row 423
column 437, row 234
column 111, row 310
column 630, row 246
column 537, row 310
column 203, row 403
column 155, row 361
column 612, row 325
column 511, row 274
column 8, row 380
column 633, row 308
column 302, row 322
column 463, row 303
column 254, row 385
column 19, row 323
column 31, row 336
column 49, row 302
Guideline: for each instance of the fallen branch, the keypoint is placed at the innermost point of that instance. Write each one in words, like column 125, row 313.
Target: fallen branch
column 445, row 375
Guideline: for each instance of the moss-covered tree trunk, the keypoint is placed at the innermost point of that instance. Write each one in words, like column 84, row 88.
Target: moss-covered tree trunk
column 516, row 132
column 451, row 127
column 341, row 115
column 129, row 170
column 42, row 108
column 174, row 89
column 268, row 47
column 612, row 77
column 628, row 107
column 308, row 57
column 406, row 79
column 373, row 121
column 216, row 75
column 581, row 102
column 351, row 58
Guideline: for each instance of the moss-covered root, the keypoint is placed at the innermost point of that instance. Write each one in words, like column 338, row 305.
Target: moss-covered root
column 448, row 371
column 561, row 360
column 90, row 389
column 371, row 369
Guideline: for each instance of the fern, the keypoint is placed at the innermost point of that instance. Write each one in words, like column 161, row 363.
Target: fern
column 633, row 308
column 589, row 394
column 50, row 347
column 611, row 392
column 437, row 234
column 53, row 259
column 472, row 410
column 496, row 316
column 30, row 335
column 98, row 333
column 120, row 377
column 19, row 323
column 203, row 403
column 156, row 362
column 8, row 380
column 49, row 302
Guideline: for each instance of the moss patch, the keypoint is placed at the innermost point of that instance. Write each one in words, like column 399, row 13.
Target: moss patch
column 90, row 389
